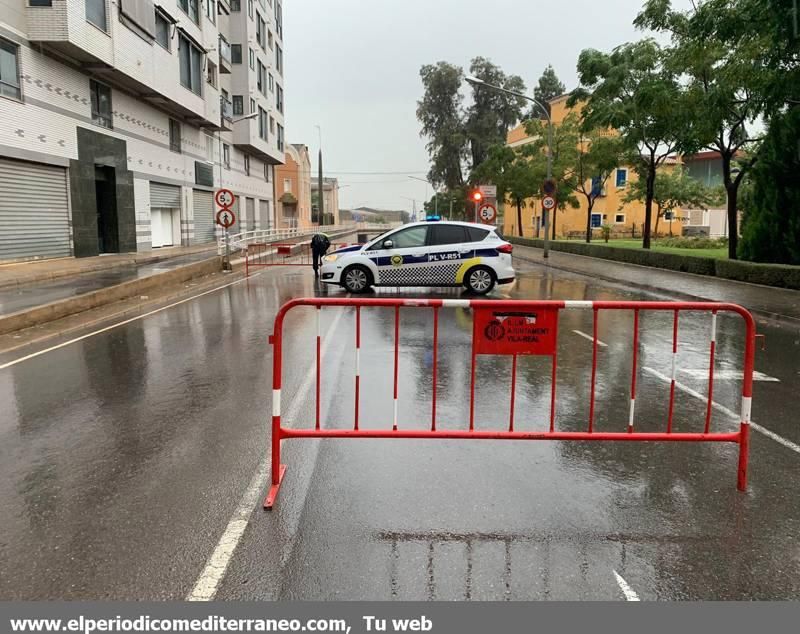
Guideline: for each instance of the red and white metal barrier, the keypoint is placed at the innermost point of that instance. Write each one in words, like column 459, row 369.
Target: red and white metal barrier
column 258, row 254
column 513, row 328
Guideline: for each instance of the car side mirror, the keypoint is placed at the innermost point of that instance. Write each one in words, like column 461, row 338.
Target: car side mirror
column 388, row 244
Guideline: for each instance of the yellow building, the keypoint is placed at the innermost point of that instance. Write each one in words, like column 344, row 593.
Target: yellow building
column 626, row 220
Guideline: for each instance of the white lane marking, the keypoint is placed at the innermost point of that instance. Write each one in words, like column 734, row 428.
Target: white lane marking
column 207, row 584
column 590, row 338
column 630, row 594
column 727, row 375
column 122, row 323
column 761, row 430
column 578, row 303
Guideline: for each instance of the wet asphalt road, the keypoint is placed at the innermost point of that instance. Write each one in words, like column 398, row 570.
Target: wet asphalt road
column 123, row 456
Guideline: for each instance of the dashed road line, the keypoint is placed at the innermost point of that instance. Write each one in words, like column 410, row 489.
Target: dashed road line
column 630, row 594
column 207, row 584
column 721, row 408
column 590, row 338
column 728, row 375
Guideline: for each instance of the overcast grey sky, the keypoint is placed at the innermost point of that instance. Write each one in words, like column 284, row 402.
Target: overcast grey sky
column 352, row 67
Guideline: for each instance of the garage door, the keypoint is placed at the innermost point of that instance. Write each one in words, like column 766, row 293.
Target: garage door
column 34, row 210
column 165, row 208
column 265, row 218
column 205, row 229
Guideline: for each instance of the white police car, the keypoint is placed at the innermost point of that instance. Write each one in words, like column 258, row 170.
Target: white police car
column 424, row 254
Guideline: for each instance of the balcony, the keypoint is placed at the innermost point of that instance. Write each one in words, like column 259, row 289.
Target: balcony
column 225, row 64
column 226, row 113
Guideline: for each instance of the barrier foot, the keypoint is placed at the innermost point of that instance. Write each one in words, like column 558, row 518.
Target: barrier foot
column 273, row 490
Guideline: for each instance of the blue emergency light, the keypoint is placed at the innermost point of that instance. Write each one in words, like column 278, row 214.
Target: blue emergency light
column 432, row 218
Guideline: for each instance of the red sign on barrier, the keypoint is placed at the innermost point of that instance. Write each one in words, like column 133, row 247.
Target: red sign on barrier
column 509, row 332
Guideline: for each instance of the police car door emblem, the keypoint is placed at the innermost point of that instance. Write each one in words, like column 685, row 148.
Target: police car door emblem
column 397, row 260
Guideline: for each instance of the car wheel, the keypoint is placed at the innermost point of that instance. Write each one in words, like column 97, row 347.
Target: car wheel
column 479, row 280
column 356, row 279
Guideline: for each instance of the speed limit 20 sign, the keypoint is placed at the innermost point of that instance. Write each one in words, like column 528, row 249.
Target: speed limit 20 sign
column 487, row 213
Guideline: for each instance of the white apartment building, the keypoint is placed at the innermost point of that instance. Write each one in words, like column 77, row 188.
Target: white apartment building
column 119, row 118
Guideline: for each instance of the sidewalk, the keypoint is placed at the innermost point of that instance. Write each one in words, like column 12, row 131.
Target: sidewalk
column 22, row 273
column 765, row 300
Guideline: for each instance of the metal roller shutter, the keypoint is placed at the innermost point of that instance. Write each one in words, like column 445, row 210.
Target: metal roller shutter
column 205, row 229
column 34, row 210
column 250, row 216
column 264, row 216
column 165, row 195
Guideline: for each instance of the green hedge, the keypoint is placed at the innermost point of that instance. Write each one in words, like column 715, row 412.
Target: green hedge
column 780, row 275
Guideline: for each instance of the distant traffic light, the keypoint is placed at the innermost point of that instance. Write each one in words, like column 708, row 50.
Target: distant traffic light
column 477, row 196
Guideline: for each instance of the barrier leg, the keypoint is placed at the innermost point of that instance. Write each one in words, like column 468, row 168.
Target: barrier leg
column 744, row 447
column 278, row 469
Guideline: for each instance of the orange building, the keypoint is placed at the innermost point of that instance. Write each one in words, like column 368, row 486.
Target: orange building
column 293, row 188
column 626, row 219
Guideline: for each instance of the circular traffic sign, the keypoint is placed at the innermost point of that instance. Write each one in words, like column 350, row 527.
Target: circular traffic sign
column 548, row 202
column 226, row 218
column 487, row 213
column 224, row 198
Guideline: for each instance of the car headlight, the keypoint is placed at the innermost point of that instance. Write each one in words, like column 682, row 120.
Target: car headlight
column 330, row 258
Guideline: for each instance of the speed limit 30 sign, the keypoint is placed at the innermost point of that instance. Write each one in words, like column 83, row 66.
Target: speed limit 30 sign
column 549, row 203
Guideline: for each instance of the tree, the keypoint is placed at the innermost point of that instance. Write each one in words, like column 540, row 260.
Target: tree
column 599, row 154
column 565, row 150
column 441, row 115
column 632, row 91
column 771, row 221
column 674, row 189
column 492, row 113
column 511, row 171
column 549, row 87
column 723, row 85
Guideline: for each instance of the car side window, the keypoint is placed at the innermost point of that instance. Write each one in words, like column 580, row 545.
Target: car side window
column 447, row 234
column 409, row 238
column 476, row 235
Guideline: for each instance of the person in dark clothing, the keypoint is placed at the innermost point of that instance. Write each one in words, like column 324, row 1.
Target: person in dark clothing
column 319, row 246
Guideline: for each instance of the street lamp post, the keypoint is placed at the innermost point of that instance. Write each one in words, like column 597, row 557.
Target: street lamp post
column 435, row 193
column 479, row 82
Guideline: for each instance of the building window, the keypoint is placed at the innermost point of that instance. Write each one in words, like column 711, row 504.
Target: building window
column 260, row 80
column 9, row 70
column 226, row 155
column 668, row 216
column 212, row 74
column 252, row 105
column 619, row 219
column 270, row 40
column 209, row 147
column 190, row 8
column 252, row 59
column 266, row 172
column 236, row 5
column 174, row 136
column 40, row 3
column 211, row 10
column 597, row 220
column 262, row 123
column 250, row 8
column 191, row 64
column 260, row 28
column 271, row 125
column 287, row 185
column 101, row 104
column 279, row 59
column 279, row 99
column 271, row 83
column 622, row 177
column 280, row 137
column 162, row 31
column 247, row 164
column 238, row 105
column 236, row 53
column 279, row 19
column 96, row 13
